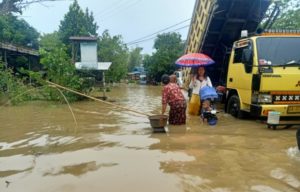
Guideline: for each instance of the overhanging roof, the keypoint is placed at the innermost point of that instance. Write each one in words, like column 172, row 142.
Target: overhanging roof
column 19, row 49
column 83, row 38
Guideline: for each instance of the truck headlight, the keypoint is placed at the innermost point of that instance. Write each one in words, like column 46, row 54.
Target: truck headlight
column 261, row 98
column 264, row 98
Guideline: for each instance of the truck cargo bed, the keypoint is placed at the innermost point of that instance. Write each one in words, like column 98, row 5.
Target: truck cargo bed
column 227, row 19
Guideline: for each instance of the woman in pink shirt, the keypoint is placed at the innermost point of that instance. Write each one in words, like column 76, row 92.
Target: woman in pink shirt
column 173, row 96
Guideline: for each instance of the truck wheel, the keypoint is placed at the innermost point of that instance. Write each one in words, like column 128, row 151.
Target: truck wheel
column 233, row 106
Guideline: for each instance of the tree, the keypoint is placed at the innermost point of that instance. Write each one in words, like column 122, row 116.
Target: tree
column 149, row 65
column 169, row 47
column 290, row 20
column 135, row 58
column 90, row 24
column 112, row 49
column 50, row 41
column 17, row 31
column 76, row 23
column 290, row 15
column 60, row 70
column 16, row 6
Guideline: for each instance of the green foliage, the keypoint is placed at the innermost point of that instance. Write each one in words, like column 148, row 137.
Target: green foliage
column 90, row 24
column 60, row 70
column 169, row 47
column 16, row 6
column 8, row 6
column 50, row 41
column 135, row 58
column 53, row 52
column 77, row 23
column 13, row 88
column 112, row 49
column 288, row 20
column 17, row 31
column 290, row 15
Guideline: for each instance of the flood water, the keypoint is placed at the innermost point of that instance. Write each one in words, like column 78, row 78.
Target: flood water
column 112, row 150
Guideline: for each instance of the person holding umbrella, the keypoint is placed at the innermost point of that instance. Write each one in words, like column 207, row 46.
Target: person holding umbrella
column 200, row 80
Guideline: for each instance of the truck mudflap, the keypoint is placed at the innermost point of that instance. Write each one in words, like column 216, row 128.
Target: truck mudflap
column 285, row 110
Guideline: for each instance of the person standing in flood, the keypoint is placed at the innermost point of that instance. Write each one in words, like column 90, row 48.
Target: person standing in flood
column 199, row 81
column 173, row 96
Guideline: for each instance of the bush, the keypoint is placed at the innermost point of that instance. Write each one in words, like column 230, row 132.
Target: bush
column 61, row 71
column 13, row 88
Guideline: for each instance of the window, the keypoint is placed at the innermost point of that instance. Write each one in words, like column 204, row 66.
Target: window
column 278, row 50
column 243, row 53
column 240, row 46
column 238, row 54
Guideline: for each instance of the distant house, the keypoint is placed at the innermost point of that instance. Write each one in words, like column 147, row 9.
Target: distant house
column 88, row 58
column 138, row 73
column 139, row 69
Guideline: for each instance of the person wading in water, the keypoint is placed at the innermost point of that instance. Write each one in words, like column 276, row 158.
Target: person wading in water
column 173, row 96
column 198, row 81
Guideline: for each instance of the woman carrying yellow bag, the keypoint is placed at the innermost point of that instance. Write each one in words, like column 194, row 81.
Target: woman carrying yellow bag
column 198, row 81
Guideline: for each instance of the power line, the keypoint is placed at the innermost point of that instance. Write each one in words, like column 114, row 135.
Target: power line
column 111, row 7
column 155, row 37
column 117, row 11
column 139, row 39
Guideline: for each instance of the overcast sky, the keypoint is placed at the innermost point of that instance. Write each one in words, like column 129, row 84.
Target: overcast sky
column 132, row 19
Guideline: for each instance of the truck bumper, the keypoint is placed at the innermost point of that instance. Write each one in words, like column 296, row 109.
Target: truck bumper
column 285, row 110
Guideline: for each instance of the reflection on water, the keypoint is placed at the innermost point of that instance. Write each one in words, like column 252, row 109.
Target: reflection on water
column 116, row 150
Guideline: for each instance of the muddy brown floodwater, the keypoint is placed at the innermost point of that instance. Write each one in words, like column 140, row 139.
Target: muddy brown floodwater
column 111, row 150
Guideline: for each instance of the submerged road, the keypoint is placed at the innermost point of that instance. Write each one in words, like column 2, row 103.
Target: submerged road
column 114, row 150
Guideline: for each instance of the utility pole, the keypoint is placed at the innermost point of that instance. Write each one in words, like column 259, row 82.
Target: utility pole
column 104, row 86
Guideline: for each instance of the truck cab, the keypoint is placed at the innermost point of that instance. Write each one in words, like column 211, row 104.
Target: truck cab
column 264, row 75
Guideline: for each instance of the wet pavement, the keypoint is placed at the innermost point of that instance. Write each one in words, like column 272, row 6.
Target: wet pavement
column 42, row 149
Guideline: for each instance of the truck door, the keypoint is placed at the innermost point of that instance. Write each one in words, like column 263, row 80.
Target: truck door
column 240, row 72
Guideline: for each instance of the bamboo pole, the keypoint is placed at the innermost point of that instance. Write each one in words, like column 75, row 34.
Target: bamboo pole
column 95, row 99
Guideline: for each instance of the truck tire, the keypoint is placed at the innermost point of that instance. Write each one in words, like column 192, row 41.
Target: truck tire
column 233, row 106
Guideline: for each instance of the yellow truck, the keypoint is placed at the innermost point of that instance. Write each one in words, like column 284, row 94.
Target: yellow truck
column 264, row 75
column 261, row 71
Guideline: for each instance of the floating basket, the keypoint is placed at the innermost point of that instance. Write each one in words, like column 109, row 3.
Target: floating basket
column 158, row 121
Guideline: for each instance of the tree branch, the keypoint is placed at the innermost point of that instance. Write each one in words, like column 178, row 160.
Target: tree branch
column 16, row 6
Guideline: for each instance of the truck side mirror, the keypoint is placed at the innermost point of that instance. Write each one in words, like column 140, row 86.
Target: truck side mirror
column 247, row 60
